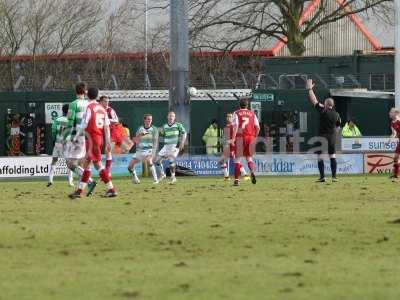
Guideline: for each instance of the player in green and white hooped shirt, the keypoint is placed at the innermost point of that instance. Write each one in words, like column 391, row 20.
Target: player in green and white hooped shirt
column 174, row 137
column 146, row 140
column 74, row 133
column 57, row 131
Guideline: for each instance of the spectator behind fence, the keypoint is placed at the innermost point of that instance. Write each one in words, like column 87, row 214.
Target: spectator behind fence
column 350, row 129
column 211, row 138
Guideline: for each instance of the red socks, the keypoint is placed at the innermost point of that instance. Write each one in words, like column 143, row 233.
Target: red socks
column 108, row 165
column 396, row 168
column 237, row 171
column 251, row 167
column 105, row 176
column 85, row 176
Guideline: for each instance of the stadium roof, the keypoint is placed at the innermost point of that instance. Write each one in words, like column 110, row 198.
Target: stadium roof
column 273, row 51
column 361, row 93
column 163, row 95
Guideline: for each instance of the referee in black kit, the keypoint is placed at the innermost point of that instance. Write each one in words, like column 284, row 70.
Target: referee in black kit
column 329, row 124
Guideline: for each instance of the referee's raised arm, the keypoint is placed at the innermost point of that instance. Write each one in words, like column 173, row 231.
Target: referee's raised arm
column 311, row 95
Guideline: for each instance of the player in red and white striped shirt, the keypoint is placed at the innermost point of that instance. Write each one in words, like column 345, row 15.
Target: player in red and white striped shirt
column 245, row 131
column 97, row 130
column 394, row 116
column 229, row 151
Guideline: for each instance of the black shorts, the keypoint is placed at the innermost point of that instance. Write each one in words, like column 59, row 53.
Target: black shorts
column 328, row 146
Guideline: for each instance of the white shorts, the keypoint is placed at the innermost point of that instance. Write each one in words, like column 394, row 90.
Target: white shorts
column 58, row 150
column 169, row 151
column 142, row 155
column 75, row 149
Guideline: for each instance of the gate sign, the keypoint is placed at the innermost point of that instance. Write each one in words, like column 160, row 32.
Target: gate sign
column 53, row 111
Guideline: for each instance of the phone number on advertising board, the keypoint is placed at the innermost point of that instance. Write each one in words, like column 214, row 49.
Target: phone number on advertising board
column 199, row 164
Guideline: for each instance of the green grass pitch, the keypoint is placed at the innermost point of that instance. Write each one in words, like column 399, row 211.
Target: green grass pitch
column 285, row 238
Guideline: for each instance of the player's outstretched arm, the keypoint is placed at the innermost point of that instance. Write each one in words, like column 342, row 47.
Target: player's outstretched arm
column 182, row 136
column 393, row 135
column 338, row 123
column 55, row 128
column 256, row 125
column 183, row 141
column 311, row 95
column 136, row 138
column 235, row 126
column 155, row 142
column 80, row 129
column 107, row 134
column 257, row 131
column 114, row 117
column 71, row 115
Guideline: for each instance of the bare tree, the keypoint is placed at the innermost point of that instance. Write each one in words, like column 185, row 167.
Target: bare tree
column 13, row 31
column 122, row 29
column 159, row 38
column 77, row 24
column 224, row 25
column 42, row 25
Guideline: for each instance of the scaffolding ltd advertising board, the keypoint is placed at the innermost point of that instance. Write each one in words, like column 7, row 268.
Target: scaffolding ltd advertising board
column 39, row 166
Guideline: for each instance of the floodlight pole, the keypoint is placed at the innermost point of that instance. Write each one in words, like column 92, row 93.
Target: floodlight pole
column 397, row 55
column 146, row 72
column 179, row 61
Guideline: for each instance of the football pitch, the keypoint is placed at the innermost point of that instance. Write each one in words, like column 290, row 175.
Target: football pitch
column 284, row 238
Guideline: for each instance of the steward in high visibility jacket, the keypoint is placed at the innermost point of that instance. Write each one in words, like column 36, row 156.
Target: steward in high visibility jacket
column 211, row 138
column 350, row 130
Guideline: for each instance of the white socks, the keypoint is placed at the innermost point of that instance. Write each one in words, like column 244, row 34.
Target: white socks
column 51, row 174
column 109, row 185
column 162, row 174
column 243, row 171
column 225, row 170
column 109, row 156
column 153, row 172
column 134, row 175
column 82, row 185
column 70, row 177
